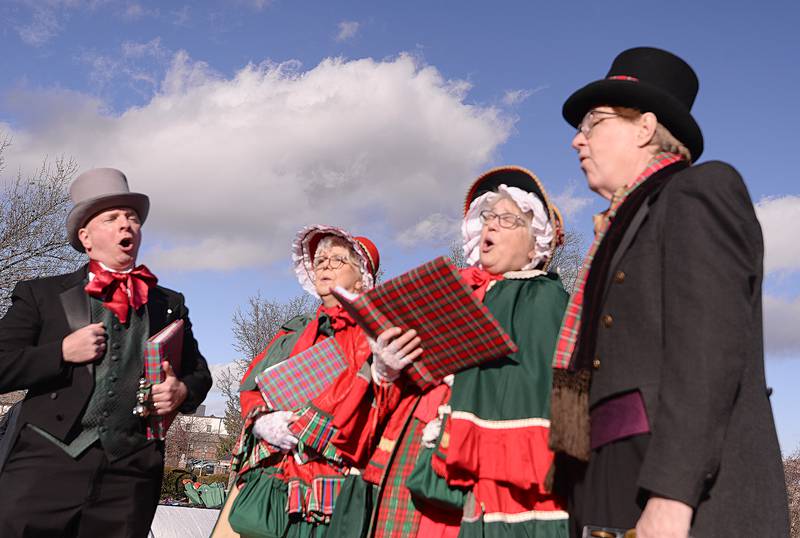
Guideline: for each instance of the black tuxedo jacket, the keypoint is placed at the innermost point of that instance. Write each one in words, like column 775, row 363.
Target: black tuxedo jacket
column 42, row 313
column 681, row 322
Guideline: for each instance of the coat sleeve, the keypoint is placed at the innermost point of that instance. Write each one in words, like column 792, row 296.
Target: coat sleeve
column 24, row 361
column 712, row 252
column 194, row 369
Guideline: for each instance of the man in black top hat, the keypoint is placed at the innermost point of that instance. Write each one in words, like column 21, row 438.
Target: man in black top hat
column 81, row 462
column 659, row 384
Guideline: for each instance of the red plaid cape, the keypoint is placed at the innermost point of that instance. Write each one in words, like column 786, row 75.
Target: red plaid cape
column 293, row 383
column 165, row 345
column 570, row 326
column 457, row 330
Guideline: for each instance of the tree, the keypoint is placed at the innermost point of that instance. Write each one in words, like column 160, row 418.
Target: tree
column 568, row 258
column 33, row 211
column 253, row 328
column 791, row 468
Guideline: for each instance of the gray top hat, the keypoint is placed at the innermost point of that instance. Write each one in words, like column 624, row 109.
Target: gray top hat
column 97, row 190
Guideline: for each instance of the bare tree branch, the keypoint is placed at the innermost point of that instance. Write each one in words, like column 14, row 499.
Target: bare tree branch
column 33, row 211
column 253, row 329
column 791, row 468
column 567, row 259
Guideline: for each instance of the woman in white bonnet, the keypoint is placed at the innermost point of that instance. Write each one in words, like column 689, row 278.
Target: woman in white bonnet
column 472, row 460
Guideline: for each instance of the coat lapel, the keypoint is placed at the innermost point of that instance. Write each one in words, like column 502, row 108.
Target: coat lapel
column 75, row 303
column 157, row 310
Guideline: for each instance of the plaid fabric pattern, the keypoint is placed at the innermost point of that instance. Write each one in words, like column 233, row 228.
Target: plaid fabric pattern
column 457, row 330
column 397, row 517
column 250, row 452
column 315, row 503
column 293, row 383
column 167, row 344
column 314, row 431
column 568, row 335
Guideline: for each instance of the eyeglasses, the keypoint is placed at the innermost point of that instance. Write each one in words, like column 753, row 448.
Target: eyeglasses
column 506, row 220
column 334, row 262
column 589, row 122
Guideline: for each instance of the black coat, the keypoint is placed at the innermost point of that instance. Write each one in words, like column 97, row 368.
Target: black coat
column 681, row 322
column 46, row 310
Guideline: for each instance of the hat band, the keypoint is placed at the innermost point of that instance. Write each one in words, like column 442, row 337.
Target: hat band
column 623, row 77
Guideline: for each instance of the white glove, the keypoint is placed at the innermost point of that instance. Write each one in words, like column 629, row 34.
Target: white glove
column 430, row 433
column 274, row 429
column 448, row 379
column 387, row 362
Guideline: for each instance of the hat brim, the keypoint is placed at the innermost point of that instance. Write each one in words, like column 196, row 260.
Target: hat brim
column 85, row 210
column 642, row 96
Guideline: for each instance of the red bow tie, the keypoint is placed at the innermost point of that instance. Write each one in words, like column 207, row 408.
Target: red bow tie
column 479, row 280
column 118, row 291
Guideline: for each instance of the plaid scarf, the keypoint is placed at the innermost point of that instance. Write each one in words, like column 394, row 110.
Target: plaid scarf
column 568, row 335
column 569, row 402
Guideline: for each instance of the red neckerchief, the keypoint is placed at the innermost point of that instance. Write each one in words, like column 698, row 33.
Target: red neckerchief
column 340, row 318
column 479, row 280
column 118, row 291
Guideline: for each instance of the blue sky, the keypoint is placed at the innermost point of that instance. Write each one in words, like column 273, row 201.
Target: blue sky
column 247, row 119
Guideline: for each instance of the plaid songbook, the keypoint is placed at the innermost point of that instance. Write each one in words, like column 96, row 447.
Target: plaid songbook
column 165, row 345
column 293, row 383
column 457, row 330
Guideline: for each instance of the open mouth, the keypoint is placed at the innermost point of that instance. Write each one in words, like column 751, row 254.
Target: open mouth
column 126, row 244
column 487, row 245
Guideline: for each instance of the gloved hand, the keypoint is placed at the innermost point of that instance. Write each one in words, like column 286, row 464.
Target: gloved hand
column 430, row 433
column 274, row 429
column 392, row 352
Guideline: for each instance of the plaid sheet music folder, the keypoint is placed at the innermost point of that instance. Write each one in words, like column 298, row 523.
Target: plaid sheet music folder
column 165, row 345
column 293, row 383
column 457, row 330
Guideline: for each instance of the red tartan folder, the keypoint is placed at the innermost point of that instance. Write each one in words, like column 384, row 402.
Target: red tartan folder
column 293, row 383
column 457, row 330
column 165, row 345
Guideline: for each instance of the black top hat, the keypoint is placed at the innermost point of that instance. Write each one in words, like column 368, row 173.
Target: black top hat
column 650, row 80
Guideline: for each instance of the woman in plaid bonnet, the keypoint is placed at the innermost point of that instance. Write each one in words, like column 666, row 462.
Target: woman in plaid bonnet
column 288, row 479
column 473, row 460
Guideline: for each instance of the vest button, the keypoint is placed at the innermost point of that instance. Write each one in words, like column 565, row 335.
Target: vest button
column 105, row 414
column 596, row 363
column 53, row 395
column 619, row 277
column 113, row 378
column 115, row 345
column 110, row 394
column 59, row 417
column 103, row 429
column 608, row 321
column 114, row 357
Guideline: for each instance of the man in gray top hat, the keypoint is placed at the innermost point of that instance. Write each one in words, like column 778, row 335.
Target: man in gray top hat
column 81, row 463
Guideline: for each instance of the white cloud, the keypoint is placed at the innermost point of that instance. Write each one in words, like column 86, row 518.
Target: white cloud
column 569, row 204
column 781, row 316
column 234, row 166
column 780, row 218
column 43, row 27
column 515, row 97
column 134, row 64
column 436, row 229
column 347, row 30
